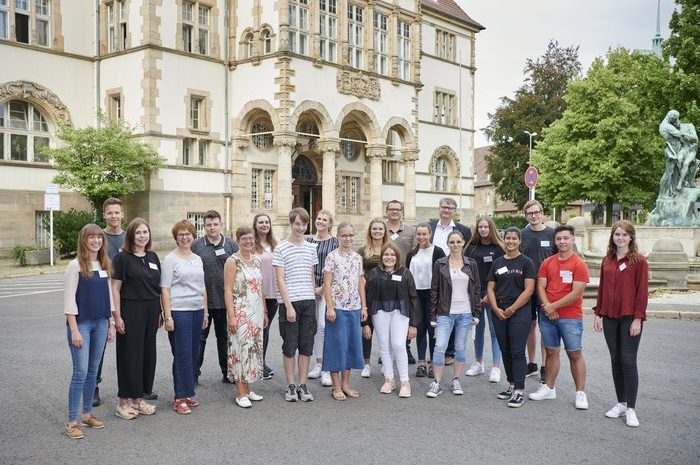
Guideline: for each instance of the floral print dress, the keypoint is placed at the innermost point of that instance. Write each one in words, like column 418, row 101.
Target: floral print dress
column 245, row 346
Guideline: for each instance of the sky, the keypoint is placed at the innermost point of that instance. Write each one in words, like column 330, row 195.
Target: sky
column 521, row 29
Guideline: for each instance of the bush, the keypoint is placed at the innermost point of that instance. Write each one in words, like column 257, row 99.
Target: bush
column 506, row 221
column 18, row 253
column 67, row 226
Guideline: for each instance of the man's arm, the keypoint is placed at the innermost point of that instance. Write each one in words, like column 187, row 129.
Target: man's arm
column 282, row 288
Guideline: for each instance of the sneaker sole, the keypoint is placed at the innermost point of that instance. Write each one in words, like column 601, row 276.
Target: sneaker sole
column 74, row 437
column 458, row 393
column 532, row 373
column 306, row 399
column 290, row 399
column 582, row 408
column 93, row 427
column 544, row 398
column 502, row 397
column 433, row 396
column 520, row 404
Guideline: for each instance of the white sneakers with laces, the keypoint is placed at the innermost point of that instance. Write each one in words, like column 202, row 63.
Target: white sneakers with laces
column 495, row 375
column 631, row 418
column 581, row 400
column 619, row 410
column 366, row 371
column 476, row 369
column 315, row 372
column 544, row 392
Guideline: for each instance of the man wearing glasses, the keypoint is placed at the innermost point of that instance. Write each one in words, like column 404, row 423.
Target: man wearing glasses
column 446, row 224
column 538, row 244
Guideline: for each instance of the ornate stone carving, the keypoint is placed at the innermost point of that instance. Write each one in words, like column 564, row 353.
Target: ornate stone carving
column 284, row 140
column 358, row 84
column 446, row 151
column 409, row 155
column 35, row 93
column 329, row 145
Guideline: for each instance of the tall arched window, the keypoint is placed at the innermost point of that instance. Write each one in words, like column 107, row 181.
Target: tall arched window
column 24, row 132
column 250, row 46
column 441, row 172
column 266, row 39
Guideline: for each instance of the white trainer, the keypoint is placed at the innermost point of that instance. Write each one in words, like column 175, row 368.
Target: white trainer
column 476, row 369
column 366, row 371
column 326, row 379
column 581, row 400
column 495, row 376
column 619, row 410
column 243, row 402
column 254, row 397
column 544, row 393
column 631, row 418
column 315, row 372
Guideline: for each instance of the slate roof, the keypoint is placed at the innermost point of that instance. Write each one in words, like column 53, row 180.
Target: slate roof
column 450, row 8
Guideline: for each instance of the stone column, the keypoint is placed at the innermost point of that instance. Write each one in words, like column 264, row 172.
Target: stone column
column 375, row 154
column 409, row 158
column 285, row 145
column 330, row 150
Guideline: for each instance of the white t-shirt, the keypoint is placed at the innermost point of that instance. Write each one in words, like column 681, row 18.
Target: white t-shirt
column 460, row 293
column 422, row 267
column 440, row 236
column 298, row 262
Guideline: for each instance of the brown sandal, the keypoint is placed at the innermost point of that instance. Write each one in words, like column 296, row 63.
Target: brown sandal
column 348, row 391
column 337, row 393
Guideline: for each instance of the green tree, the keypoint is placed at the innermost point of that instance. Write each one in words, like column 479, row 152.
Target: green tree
column 103, row 162
column 537, row 103
column 606, row 147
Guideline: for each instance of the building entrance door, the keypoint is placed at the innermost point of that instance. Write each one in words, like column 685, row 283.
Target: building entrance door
column 305, row 188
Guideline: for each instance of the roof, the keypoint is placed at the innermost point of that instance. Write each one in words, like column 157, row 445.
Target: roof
column 451, row 9
column 480, row 166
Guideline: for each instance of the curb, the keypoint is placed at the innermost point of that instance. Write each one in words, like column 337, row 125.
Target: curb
column 662, row 314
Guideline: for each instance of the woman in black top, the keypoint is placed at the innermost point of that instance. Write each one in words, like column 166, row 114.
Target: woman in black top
column 136, row 291
column 511, row 282
column 484, row 247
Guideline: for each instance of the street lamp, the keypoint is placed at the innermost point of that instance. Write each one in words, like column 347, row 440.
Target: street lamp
column 529, row 160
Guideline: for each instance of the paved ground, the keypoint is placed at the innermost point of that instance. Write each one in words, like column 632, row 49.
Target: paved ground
column 474, row 428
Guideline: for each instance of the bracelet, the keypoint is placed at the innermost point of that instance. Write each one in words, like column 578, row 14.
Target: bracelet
column 206, row 315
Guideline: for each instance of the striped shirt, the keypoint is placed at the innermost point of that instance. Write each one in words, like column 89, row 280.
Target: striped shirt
column 298, row 262
column 323, row 248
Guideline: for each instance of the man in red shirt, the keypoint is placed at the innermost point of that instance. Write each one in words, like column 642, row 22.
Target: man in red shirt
column 560, row 285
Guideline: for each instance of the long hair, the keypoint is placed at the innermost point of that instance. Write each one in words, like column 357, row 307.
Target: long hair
column 84, row 261
column 414, row 250
column 632, row 251
column 270, row 238
column 493, row 236
column 367, row 249
column 131, row 234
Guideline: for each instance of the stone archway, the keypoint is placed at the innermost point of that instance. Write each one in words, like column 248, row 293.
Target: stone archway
column 39, row 96
column 306, row 189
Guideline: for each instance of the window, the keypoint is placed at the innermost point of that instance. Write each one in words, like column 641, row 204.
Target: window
column 349, row 194
column 122, row 24
column 445, row 109
column 204, row 30
column 203, row 150
column 114, row 108
column 441, row 174
column 42, row 238
column 328, row 30
column 187, row 26
column 187, row 151
column 111, row 35
column 196, row 107
column 22, row 21
column 249, row 46
column 42, row 22
column 116, row 23
column 298, row 26
column 197, row 219
column 403, row 49
column 192, row 148
column 261, row 189
column 24, row 133
column 380, row 43
column 390, row 171
column 266, row 39
column 3, row 19
column 355, row 35
column 445, row 45
column 264, row 140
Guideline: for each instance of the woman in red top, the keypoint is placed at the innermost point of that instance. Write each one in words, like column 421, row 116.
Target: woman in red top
column 619, row 313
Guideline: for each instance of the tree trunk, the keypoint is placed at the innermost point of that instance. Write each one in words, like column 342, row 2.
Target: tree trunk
column 608, row 211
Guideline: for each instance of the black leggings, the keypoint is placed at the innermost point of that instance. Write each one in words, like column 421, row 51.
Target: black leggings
column 512, row 338
column 217, row 318
column 425, row 335
column 271, row 307
column 623, row 354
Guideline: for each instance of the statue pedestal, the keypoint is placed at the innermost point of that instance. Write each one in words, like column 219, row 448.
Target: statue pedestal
column 678, row 210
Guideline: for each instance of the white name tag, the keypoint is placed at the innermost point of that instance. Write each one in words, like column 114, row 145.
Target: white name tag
column 394, row 236
column 622, row 267
column 502, row 270
column 567, row 277
column 544, row 244
column 152, row 266
column 218, row 252
column 102, row 273
column 488, row 258
column 396, row 277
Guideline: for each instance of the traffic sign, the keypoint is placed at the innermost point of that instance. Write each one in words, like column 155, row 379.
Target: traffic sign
column 531, row 177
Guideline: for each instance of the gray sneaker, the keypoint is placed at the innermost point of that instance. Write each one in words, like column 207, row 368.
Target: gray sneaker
column 457, row 388
column 435, row 389
column 290, row 394
column 304, row 393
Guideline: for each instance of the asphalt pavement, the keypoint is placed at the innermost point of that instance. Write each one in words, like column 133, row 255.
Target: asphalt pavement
column 474, row 428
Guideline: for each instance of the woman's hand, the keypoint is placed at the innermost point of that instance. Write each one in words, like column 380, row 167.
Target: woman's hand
column 636, row 327
column 475, row 321
column 76, row 339
column 330, row 315
column 485, row 300
column 318, row 292
column 363, row 315
column 231, row 323
column 169, row 324
column 412, row 331
column 266, row 320
column 119, row 325
column 367, row 332
column 598, row 324
column 111, row 333
column 205, row 321
column 499, row 313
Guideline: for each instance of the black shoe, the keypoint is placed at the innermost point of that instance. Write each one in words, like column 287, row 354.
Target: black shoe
column 196, row 381
column 421, row 372
column 225, row 380
column 96, row 401
column 542, row 371
column 411, row 360
column 507, row 394
column 516, row 400
column 267, row 372
column 431, row 374
column 150, row 396
column 531, row 370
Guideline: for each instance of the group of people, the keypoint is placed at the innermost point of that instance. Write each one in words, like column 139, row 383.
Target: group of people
column 433, row 282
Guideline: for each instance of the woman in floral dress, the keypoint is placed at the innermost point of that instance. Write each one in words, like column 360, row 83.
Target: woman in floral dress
column 246, row 317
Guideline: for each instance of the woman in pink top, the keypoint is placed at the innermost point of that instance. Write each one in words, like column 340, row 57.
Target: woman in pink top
column 265, row 243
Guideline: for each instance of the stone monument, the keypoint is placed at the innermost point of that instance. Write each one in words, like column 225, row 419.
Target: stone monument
column 678, row 192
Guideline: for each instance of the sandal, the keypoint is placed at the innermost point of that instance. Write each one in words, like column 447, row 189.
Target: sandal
column 126, row 413
column 421, row 371
column 337, row 393
column 144, row 408
column 348, row 391
column 431, row 374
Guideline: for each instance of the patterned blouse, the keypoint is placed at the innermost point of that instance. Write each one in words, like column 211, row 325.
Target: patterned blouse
column 345, row 285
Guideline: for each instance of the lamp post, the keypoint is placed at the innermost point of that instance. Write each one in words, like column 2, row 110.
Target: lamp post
column 529, row 160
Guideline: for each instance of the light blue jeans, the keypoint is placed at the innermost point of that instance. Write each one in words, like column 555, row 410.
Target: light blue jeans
column 479, row 337
column 461, row 323
column 86, row 361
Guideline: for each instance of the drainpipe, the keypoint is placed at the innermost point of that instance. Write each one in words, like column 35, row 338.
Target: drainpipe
column 227, row 159
column 97, row 63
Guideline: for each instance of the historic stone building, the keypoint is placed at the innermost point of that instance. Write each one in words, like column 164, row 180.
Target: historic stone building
column 257, row 105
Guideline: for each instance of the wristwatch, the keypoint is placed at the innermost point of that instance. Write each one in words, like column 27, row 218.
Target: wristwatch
column 167, row 318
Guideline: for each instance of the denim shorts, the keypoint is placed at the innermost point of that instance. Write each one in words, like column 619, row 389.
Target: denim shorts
column 566, row 329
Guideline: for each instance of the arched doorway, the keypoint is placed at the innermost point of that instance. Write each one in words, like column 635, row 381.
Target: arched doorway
column 305, row 188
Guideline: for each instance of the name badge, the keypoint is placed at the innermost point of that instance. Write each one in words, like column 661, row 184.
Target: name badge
column 394, row 236
column 567, row 277
column 102, row 273
column 622, row 266
column 396, row 277
column 488, row 258
column 544, row 244
column 502, row 270
column 218, row 252
column 152, row 266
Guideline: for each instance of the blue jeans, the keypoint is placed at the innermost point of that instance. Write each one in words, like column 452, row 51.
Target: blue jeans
column 86, row 361
column 461, row 323
column 184, row 344
column 479, row 337
column 567, row 329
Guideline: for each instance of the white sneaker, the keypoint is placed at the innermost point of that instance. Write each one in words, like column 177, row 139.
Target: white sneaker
column 581, row 400
column 619, row 410
column 544, row 393
column 495, row 376
column 631, row 418
column 476, row 369
column 254, row 397
column 315, row 372
column 243, row 402
column 326, row 378
column 366, row 371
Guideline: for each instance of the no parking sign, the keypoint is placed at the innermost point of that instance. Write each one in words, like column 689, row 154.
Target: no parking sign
column 531, row 177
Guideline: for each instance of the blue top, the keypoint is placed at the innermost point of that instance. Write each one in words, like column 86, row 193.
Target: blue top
column 92, row 297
